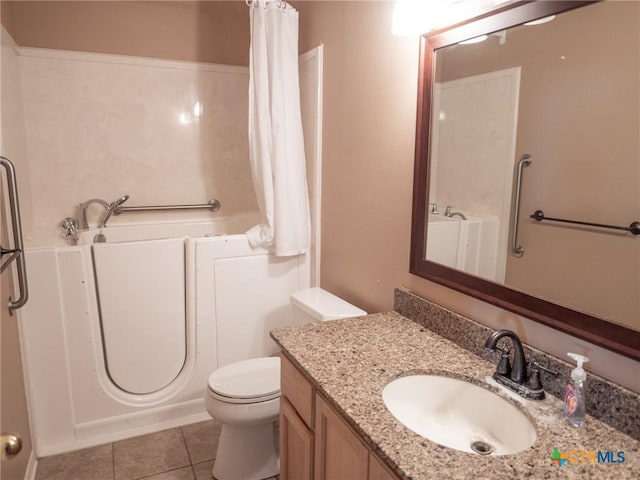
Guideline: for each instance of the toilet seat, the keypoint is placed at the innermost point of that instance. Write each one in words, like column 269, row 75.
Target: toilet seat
column 248, row 381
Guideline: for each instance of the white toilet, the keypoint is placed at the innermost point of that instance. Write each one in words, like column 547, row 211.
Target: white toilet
column 245, row 397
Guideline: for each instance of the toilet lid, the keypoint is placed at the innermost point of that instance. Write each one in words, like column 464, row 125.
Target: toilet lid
column 254, row 378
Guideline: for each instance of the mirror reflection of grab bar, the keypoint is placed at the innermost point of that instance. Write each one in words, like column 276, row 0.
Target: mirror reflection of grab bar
column 633, row 228
column 17, row 253
column 517, row 250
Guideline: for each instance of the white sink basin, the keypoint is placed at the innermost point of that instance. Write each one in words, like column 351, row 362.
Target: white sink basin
column 459, row 414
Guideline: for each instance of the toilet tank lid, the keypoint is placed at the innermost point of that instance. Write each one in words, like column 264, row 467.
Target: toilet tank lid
column 323, row 305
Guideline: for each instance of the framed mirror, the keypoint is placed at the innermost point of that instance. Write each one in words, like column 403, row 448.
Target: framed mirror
column 535, row 107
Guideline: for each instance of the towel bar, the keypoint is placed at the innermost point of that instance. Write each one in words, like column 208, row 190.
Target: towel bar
column 633, row 228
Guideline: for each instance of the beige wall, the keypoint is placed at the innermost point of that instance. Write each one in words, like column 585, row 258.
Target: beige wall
column 370, row 85
column 6, row 16
column 207, row 31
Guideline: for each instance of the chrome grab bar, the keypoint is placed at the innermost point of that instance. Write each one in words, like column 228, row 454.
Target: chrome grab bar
column 517, row 250
column 18, row 248
column 213, row 205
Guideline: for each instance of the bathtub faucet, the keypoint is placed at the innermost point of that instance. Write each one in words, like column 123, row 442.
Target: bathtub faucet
column 108, row 207
column 82, row 217
column 449, row 213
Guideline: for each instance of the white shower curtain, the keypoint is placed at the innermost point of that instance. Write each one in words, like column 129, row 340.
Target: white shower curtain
column 276, row 145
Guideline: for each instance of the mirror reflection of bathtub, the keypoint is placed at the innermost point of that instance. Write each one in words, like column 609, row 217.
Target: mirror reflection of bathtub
column 120, row 337
column 465, row 244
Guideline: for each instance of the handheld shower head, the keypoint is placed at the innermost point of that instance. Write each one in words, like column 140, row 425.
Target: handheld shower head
column 119, row 201
column 111, row 210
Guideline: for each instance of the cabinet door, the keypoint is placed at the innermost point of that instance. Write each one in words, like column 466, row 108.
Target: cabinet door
column 296, row 445
column 298, row 390
column 378, row 470
column 339, row 452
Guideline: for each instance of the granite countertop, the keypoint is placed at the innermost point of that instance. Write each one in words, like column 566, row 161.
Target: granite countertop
column 350, row 361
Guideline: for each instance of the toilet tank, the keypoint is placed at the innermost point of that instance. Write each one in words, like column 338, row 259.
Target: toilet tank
column 318, row 305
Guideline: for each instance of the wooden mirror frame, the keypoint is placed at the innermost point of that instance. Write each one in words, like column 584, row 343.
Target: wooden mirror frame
column 614, row 337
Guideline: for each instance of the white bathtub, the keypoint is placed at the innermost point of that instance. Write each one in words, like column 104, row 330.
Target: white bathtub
column 171, row 229
column 117, row 342
column 470, row 244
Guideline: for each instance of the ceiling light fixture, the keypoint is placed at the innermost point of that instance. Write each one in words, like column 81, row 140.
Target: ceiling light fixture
column 415, row 17
column 473, row 40
column 540, row 21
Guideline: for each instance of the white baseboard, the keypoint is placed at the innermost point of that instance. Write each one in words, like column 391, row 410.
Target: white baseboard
column 113, row 436
column 32, row 467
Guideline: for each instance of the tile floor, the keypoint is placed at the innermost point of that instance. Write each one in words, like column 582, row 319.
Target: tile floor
column 183, row 453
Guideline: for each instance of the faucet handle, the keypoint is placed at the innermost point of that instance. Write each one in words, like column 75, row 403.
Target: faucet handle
column 71, row 228
column 504, row 365
column 535, row 383
column 447, row 211
column 434, row 208
column 536, row 365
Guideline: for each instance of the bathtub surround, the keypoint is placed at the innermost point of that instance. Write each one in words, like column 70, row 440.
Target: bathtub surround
column 138, row 126
column 607, row 401
column 276, row 143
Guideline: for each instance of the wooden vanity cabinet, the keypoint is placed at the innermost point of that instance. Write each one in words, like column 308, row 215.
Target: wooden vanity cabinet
column 296, row 424
column 315, row 441
column 378, row 470
column 339, row 452
column 296, row 445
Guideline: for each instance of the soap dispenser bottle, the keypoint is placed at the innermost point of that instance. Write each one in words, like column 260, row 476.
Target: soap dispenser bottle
column 574, row 404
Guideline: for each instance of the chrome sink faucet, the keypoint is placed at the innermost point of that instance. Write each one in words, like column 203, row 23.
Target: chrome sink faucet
column 515, row 377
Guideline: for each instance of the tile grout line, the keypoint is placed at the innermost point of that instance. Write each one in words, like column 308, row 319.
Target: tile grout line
column 186, row 446
column 162, row 473
column 113, row 461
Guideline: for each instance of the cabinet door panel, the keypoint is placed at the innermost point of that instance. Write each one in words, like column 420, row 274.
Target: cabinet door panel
column 298, row 390
column 339, row 452
column 378, row 470
column 296, row 445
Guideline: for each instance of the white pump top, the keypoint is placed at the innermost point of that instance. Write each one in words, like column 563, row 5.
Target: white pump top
column 323, row 306
column 578, row 373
